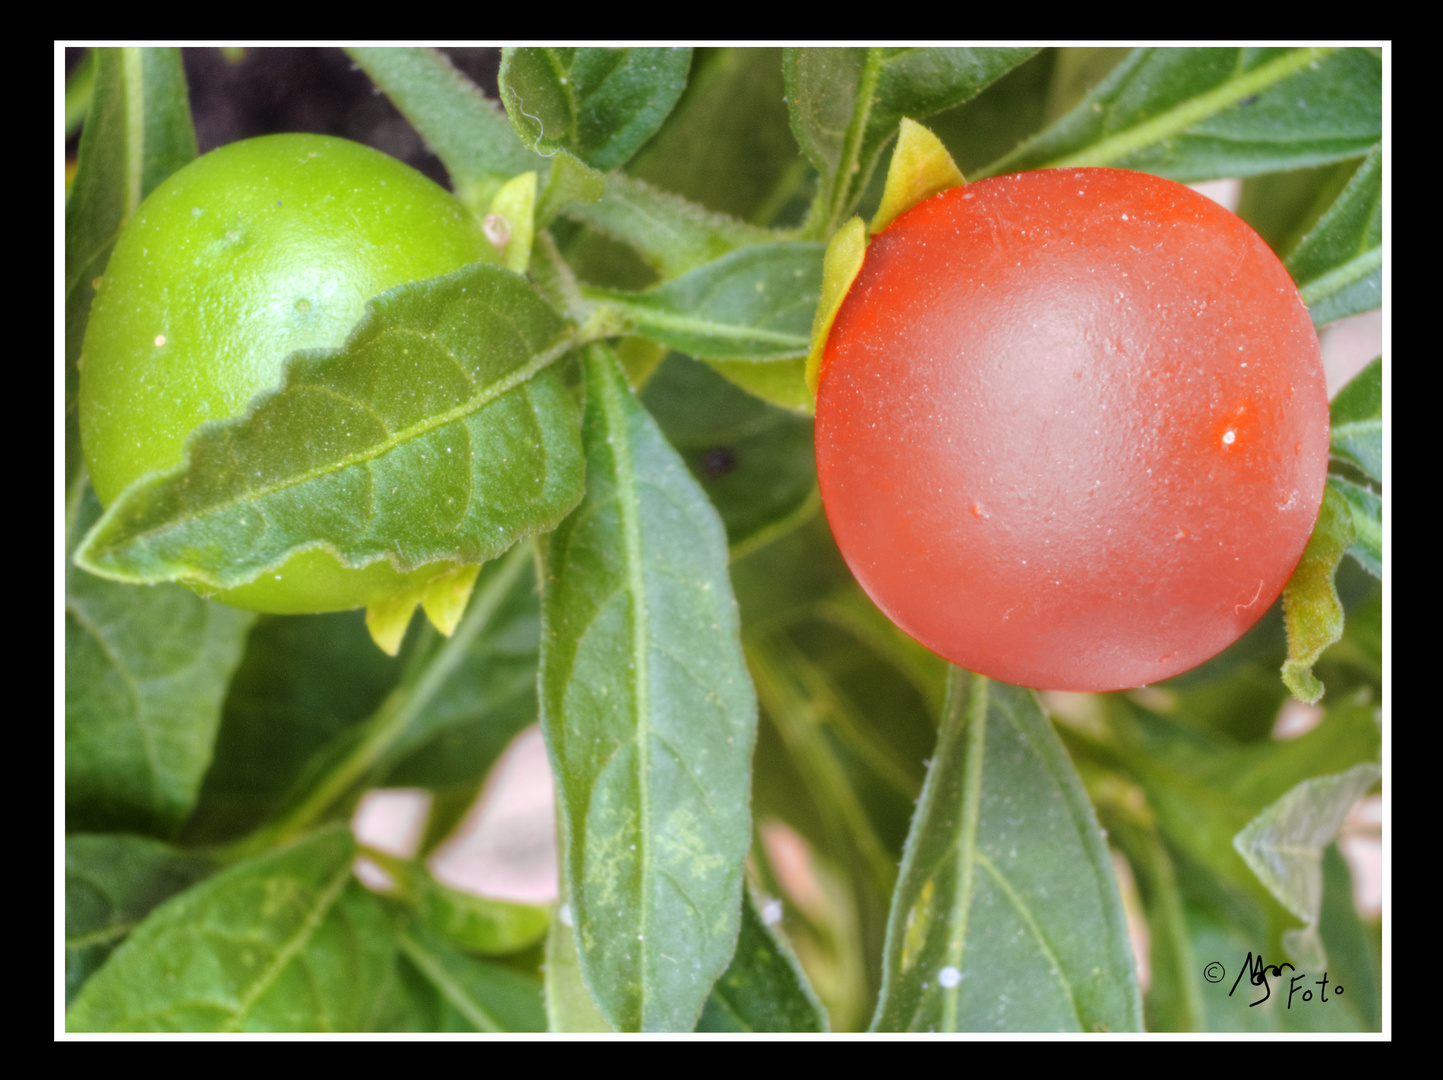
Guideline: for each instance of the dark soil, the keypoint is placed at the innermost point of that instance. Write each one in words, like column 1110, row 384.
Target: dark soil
column 269, row 90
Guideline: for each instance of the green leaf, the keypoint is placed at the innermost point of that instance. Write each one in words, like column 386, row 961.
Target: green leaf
column 600, row 104
column 477, row 924
column 288, row 941
column 469, row 134
column 1310, row 601
column 1338, row 265
column 302, row 680
column 1366, row 507
column 111, row 883
column 420, row 712
column 569, row 181
column 1224, row 935
column 485, row 996
column 145, row 674
column 763, row 989
column 483, row 675
column 782, row 383
column 1204, row 788
column 754, row 461
column 1201, row 113
column 1284, row 207
column 1284, row 846
column 79, row 86
column 137, row 133
column 1006, row 915
column 435, row 433
column 671, row 234
column 569, row 1006
column 846, row 105
column 649, row 718
column 752, row 304
column 728, row 143
column 1357, row 420
column 1007, row 111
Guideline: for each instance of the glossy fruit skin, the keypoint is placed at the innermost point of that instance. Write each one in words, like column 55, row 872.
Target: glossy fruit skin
column 1072, row 427
column 247, row 254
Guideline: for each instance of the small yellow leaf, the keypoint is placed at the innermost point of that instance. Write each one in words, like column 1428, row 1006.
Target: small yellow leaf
column 920, row 168
column 840, row 266
column 639, row 358
column 387, row 621
column 511, row 223
column 444, row 599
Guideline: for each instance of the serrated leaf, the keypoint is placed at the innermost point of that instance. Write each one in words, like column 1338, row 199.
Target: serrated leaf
column 1366, row 506
column 755, row 462
column 1284, row 846
column 1006, row 915
column 1311, row 608
column 146, row 672
column 763, row 989
column 1338, row 265
column 137, row 133
column 1202, row 113
column 846, row 105
column 649, row 718
column 671, row 234
column 436, row 433
column 600, row 104
column 111, row 883
column 470, row 134
column 752, row 304
column 487, row 997
column 1357, row 420
column 288, row 941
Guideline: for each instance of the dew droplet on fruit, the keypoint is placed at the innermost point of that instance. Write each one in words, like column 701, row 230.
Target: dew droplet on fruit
column 159, row 340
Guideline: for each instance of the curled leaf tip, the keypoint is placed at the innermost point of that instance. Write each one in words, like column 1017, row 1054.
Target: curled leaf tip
column 920, row 168
column 1311, row 608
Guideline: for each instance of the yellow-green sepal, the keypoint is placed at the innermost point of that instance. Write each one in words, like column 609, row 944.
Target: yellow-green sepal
column 1312, row 611
column 510, row 223
column 920, row 168
column 640, row 357
column 840, row 266
column 443, row 598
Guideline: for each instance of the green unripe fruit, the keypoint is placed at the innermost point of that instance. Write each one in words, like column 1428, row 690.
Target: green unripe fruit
column 248, row 254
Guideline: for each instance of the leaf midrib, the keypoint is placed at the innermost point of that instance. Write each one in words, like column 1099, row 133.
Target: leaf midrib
column 626, row 496
column 489, row 394
column 288, row 952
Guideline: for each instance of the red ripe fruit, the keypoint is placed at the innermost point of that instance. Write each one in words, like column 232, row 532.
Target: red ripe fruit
column 1072, row 427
